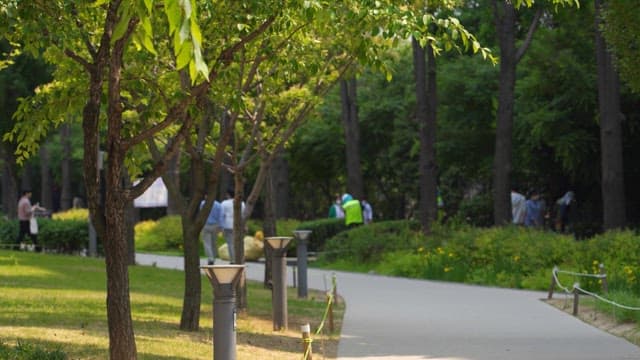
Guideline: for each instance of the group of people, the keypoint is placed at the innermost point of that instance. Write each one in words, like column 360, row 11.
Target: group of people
column 353, row 211
column 533, row 212
column 220, row 219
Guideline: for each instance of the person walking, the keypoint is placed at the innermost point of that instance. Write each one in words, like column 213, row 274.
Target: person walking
column 226, row 222
column 352, row 210
column 25, row 213
column 564, row 206
column 518, row 207
column 210, row 231
column 533, row 210
column 336, row 211
column 367, row 212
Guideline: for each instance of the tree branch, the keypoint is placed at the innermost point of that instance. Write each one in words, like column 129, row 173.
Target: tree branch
column 527, row 41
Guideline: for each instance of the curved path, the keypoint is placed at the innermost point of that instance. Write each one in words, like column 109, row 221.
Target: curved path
column 394, row 318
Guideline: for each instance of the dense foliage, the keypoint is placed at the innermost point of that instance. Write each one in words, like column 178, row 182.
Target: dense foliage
column 61, row 236
column 512, row 257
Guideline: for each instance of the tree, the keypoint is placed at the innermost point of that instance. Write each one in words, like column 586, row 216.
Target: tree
column 506, row 21
column 351, row 125
column 94, row 42
column 613, row 199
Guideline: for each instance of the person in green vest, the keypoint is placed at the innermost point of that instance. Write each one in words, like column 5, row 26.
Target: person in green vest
column 352, row 210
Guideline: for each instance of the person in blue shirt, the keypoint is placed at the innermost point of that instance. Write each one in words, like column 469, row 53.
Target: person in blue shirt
column 534, row 210
column 210, row 231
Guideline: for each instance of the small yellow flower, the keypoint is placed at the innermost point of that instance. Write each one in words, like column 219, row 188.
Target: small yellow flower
column 451, row 255
column 447, row 269
column 440, row 250
column 420, row 249
column 516, row 258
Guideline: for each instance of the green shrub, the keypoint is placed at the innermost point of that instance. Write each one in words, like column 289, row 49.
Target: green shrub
column 368, row 243
column 8, row 232
column 160, row 235
column 63, row 236
column 477, row 211
column 25, row 351
column 321, row 230
column 619, row 252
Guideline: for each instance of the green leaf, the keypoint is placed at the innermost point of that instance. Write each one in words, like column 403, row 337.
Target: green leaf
column 183, row 58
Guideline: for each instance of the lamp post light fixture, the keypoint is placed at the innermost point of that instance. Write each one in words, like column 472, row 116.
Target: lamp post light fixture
column 224, row 279
column 278, row 246
column 302, row 256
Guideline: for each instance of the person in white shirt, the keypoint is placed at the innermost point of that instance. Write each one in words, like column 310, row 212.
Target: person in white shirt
column 226, row 222
column 367, row 212
column 518, row 207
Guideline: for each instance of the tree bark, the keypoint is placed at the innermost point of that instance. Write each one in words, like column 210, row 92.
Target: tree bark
column 351, row 126
column 269, row 227
column 279, row 174
column 65, row 191
column 46, row 185
column 506, row 27
column 612, row 186
column 426, row 103
column 9, row 183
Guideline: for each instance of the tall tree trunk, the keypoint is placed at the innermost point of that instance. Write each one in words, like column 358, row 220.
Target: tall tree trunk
column 506, row 27
column 46, row 185
column 269, row 226
column 279, row 174
column 9, row 183
column 238, row 239
column 65, row 192
column 173, row 170
column 426, row 102
column 352, row 136
column 613, row 200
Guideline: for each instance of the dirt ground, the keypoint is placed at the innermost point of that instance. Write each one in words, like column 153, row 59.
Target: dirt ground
column 599, row 319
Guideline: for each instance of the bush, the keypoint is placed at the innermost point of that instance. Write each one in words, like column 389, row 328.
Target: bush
column 321, row 230
column 65, row 236
column 72, row 214
column 477, row 211
column 160, row 235
column 368, row 243
column 8, row 232
column 24, row 351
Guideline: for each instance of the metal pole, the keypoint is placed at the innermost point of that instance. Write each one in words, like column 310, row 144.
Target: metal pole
column 279, row 298
column 302, row 254
column 224, row 322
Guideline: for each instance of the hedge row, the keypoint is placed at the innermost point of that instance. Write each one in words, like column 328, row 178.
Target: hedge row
column 63, row 236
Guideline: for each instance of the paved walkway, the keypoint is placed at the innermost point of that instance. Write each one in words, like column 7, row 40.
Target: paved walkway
column 394, row 318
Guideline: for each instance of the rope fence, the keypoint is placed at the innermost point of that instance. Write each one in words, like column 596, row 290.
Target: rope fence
column 576, row 290
column 307, row 340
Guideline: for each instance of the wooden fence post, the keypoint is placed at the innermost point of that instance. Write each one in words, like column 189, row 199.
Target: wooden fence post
column 553, row 283
column 576, row 298
column 330, row 315
column 306, row 342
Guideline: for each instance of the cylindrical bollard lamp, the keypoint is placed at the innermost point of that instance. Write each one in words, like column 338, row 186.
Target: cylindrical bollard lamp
column 278, row 246
column 224, row 279
column 302, row 257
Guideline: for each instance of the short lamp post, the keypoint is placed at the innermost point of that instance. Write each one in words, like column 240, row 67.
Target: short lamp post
column 224, row 279
column 278, row 245
column 302, row 256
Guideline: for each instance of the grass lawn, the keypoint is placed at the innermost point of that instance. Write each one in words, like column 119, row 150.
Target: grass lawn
column 57, row 301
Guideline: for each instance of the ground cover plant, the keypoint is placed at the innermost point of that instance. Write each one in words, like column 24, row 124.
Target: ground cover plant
column 57, row 303
column 514, row 257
